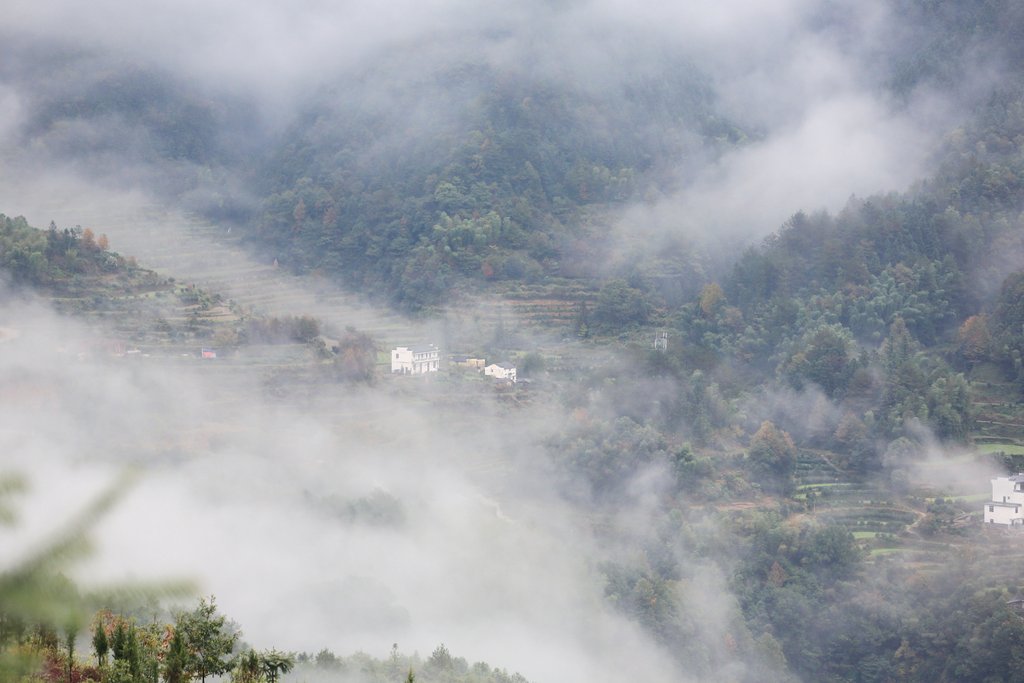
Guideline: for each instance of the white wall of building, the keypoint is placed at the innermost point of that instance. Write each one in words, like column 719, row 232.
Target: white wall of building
column 417, row 360
column 500, row 371
column 1007, row 504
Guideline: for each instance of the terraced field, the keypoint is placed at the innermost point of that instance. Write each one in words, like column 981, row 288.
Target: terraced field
column 999, row 409
column 194, row 252
column 921, row 527
column 887, row 526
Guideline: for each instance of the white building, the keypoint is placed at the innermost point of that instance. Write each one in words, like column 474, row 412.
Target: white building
column 1007, row 501
column 416, row 360
column 501, row 371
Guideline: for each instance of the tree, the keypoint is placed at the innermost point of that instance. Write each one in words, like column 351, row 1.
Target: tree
column 975, row 342
column 274, row 663
column 100, row 643
column 711, row 298
column 357, row 357
column 70, row 636
column 133, row 653
column 176, row 660
column 773, row 457
column 248, row 668
column 207, row 640
column 826, row 359
column 618, row 304
column 119, row 642
column 1009, row 312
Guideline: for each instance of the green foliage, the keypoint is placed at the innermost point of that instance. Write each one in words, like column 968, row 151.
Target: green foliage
column 176, row 660
column 303, row 329
column 440, row 667
column 502, row 191
column 208, row 640
column 772, row 457
column 10, row 484
column 36, row 598
column 826, row 358
column 54, row 257
column 619, row 304
column 273, row 664
column 608, row 455
column 1008, row 321
column 247, row 669
column 101, row 645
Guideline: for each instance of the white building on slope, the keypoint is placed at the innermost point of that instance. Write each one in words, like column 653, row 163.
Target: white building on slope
column 416, row 360
column 1007, row 501
column 501, row 371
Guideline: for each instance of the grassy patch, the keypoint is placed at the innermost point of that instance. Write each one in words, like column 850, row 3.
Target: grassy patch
column 822, row 485
column 1008, row 448
column 975, row 497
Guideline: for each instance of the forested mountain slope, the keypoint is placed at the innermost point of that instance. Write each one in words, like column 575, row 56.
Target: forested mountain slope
column 406, row 184
column 789, row 482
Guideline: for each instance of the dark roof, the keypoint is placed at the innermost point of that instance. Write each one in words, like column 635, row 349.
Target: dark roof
column 424, row 348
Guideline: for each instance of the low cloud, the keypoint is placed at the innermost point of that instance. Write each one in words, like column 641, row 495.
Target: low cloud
column 241, row 492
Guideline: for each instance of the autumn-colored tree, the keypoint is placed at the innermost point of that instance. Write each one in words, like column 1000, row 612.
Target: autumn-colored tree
column 772, row 456
column 299, row 214
column 975, row 342
column 776, row 575
column 711, row 298
column 330, row 217
column 357, row 357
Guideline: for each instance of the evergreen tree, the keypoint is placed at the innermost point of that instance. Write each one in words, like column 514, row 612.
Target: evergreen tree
column 100, row 644
column 70, row 635
column 119, row 642
column 208, row 641
column 176, row 659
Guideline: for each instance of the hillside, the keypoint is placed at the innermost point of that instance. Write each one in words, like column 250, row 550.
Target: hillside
column 412, row 185
column 728, row 455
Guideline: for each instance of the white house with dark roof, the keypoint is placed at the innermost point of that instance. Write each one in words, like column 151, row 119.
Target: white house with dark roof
column 1007, row 504
column 415, row 360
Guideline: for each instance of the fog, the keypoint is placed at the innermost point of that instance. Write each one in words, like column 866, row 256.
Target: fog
column 241, row 491
column 246, row 495
column 802, row 77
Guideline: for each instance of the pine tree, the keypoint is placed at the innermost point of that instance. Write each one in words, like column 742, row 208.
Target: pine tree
column 100, row 644
column 176, row 659
column 119, row 642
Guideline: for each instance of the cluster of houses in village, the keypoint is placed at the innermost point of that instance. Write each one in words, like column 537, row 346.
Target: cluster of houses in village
column 426, row 358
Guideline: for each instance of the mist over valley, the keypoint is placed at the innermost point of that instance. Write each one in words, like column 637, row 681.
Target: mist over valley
column 572, row 341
